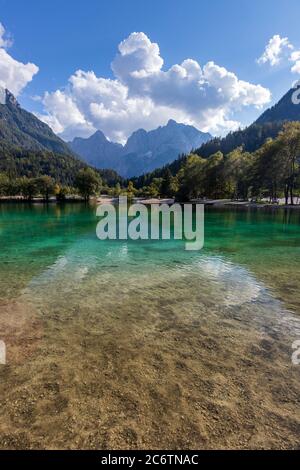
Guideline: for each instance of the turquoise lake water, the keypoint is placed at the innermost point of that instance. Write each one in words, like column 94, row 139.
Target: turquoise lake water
column 143, row 344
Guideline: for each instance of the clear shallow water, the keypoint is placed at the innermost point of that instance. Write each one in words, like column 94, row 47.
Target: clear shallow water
column 143, row 344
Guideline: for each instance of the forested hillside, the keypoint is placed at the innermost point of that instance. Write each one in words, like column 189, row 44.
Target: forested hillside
column 250, row 138
column 270, row 171
column 22, row 129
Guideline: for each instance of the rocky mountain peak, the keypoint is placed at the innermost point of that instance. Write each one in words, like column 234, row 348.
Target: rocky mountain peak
column 6, row 97
column 143, row 151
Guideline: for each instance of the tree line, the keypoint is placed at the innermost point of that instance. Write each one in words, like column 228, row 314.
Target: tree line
column 272, row 171
column 86, row 183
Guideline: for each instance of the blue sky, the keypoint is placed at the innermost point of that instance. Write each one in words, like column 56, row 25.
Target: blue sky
column 61, row 37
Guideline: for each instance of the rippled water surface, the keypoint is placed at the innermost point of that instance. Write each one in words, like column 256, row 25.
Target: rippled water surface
column 123, row 344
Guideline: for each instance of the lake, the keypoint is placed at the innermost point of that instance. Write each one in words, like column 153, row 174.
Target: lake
column 141, row 344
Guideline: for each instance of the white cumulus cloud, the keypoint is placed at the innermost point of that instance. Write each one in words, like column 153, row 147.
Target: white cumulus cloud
column 143, row 94
column 275, row 50
column 14, row 75
column 295, row 58
column 5, row 41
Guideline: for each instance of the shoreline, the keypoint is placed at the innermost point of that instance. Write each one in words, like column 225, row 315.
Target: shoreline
column 252, row 205
column 40, row 200
column 217, row 203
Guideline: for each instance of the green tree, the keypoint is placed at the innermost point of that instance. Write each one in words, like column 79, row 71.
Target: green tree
column 169, row 185
column 131, row 191
column 277, row 166
column 154, row 189
column 88, row 183
column 61, row 192
column 28, row 187
column 213, row 180
column 236, row 174
column 191, row 178
column 289, row 140
column 45, row 186
column 117, row 190
column 4, row 184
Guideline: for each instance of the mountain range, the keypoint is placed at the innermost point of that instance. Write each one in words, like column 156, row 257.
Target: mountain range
column 143, row 152
column 28, row 146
